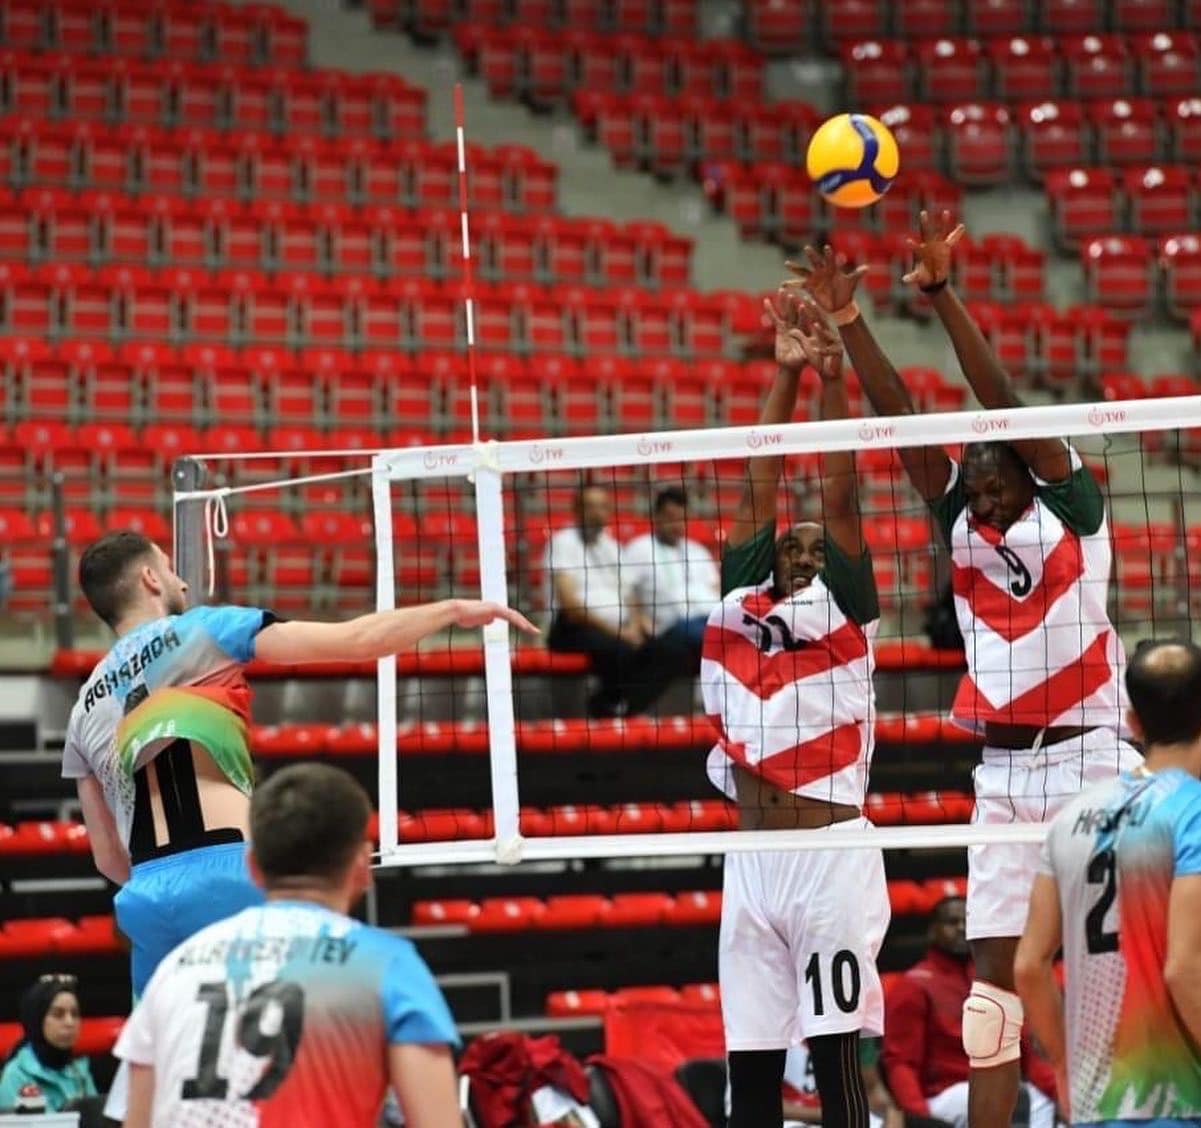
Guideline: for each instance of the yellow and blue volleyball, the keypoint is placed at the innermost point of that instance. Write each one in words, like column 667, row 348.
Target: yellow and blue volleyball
column 853, row 159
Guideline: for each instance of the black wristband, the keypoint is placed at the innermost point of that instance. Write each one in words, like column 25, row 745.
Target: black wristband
column 934, row 287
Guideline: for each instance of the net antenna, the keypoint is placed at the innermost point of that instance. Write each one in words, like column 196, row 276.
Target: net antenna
column 468, row 266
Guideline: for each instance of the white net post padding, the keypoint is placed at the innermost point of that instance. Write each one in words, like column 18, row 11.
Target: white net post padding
column 385, row 600
column 489, row 463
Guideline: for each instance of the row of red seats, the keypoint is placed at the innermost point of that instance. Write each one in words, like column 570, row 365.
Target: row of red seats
column 246, row 34
column 174, row 94
column 248, row 307
column 547, row 66
column 1157, row 65
column 31, row 938
column 1150, row 201
column 588, row 1001
column 776, row 201
column 430, row 18
column 630, row 910
column 990, row 142
column 246, row 165
column 667, row 133
column 787, row 29
column 100, row 228
column 45, row 388
column 1130, row 275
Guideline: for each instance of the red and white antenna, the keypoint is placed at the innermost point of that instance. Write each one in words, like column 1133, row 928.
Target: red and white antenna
column 468, row 272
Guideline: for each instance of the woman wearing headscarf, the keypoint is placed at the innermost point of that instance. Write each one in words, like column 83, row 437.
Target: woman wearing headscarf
column 45, row 1057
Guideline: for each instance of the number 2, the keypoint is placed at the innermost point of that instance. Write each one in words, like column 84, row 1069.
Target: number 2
column 1102, row 870
column 844, row 981
column 277, row 1041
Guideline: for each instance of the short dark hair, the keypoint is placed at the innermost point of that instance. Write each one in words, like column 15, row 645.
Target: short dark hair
column 994, row 453
column 1164, row 683
column 671, row 495
column 104, row 571
column 941, row 904
column 308, row 820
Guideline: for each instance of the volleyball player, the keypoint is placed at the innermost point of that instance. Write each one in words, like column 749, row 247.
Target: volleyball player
column 292, row 1013
column 1030, row 563
column 787, row 677
column 158, row 741
column 1119, row 888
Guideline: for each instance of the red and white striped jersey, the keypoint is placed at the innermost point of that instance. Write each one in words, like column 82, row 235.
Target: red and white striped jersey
column 787, row 681
column 1032, row 606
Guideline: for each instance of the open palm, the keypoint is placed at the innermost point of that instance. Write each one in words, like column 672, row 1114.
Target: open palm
column 825, row 278
column 932, row 252
column 790, row 342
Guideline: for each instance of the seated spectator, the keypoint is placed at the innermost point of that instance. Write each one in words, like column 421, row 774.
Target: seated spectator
column 802, row 1105
column 671, row 582
column 924, row 1059
column 590, row 615
column 44, row 1058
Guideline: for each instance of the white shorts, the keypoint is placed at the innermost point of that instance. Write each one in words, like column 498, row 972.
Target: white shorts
column 1015, row 785
column 800, row 932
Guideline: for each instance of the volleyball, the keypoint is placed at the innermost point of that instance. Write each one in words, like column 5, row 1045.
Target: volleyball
column 853, row 159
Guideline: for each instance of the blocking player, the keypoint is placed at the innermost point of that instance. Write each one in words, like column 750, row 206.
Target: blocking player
column 158, row 740
column 292, row 1013
column 786, row 675
column 1119, row 887
column 1030, row 564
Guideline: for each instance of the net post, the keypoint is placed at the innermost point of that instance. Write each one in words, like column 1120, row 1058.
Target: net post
column 498, row 669
column 188, row 475
column 385, row 671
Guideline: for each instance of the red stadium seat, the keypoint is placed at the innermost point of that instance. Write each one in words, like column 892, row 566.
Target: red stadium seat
column 1180, row 259
column 1117, row 272
column 1083, row 201
column 1098, row 66
column 508, row 914
column 1053, row 136
column 852, row 20
column 1162, row 199
column 1063, row 17
column 1169, row 64
column 916, row 130
column 877, row 70
column 1126, row 130
column 649, row 994
column 1024, row 67
column 637, row 910
column 701, row 907
column 950, row 70
column 979, row 143
column 776, row 27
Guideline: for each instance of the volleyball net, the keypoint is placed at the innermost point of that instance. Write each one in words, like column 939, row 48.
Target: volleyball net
column 507, row 751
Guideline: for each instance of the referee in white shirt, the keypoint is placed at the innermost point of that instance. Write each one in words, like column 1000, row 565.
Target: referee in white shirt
column 671, row 583
column 585, row 570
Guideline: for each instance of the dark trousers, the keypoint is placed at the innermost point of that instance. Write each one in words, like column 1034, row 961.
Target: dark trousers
column 632, row 677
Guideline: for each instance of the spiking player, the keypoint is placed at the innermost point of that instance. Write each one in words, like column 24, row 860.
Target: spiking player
column 1030, row 563
column 158, row 741
column 787, row 679
column 292, row 1014
column 1119, row 888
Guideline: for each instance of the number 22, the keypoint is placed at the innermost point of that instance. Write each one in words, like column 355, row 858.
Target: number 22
column 277, row 1041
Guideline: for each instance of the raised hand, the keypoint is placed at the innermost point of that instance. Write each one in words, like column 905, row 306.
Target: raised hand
column 479, row 613
column 825, row 278
column 790, row 342
column 822, row 345
column 932, row 252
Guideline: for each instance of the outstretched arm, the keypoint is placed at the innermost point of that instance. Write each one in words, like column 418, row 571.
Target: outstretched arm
column 840, row 491
column 832, row 287
column 757, row 506
column 378, row 634
column 1047, row 458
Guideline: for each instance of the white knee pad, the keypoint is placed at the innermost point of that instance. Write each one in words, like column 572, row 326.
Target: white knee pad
column 992, row 1026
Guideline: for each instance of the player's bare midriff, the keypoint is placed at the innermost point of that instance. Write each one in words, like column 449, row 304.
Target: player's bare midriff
column 222, row 806
column 1018, row 737
column 763, row 806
